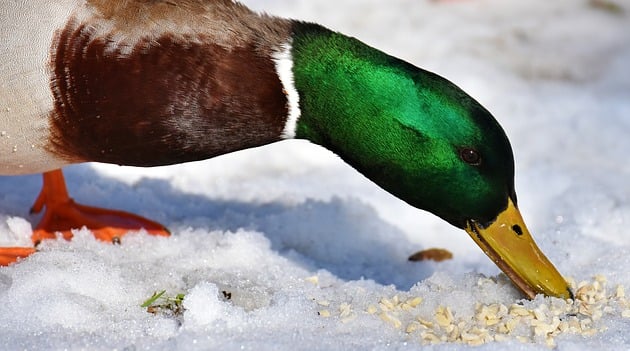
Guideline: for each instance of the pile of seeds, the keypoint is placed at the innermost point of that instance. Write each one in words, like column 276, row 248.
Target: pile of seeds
column 539, row 321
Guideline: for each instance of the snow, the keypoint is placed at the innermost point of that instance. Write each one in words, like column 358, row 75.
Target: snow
column 285, row 247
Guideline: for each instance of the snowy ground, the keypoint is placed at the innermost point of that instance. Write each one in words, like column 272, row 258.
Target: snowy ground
column 314, row 255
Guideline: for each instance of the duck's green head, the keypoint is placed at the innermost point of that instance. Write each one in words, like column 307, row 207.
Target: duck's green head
column 422, row 139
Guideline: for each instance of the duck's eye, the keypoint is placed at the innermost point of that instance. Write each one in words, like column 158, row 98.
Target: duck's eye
column 470, row 156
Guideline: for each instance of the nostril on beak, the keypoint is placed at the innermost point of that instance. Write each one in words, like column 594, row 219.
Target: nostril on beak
column 517, row 229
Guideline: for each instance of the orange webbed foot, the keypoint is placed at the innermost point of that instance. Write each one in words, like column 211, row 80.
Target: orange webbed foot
column 9, row 255
column 62, row 214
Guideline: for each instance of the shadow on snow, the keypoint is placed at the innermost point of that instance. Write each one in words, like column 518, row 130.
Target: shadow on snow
column 344, row 236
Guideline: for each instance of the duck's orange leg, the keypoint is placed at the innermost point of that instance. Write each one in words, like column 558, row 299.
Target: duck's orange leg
column 62, row 214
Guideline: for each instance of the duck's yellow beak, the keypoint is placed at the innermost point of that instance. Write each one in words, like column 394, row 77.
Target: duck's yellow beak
column 508, row 243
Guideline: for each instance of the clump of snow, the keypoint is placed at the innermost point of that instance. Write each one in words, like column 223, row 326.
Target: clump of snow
column 286, row 247
column 16, row 231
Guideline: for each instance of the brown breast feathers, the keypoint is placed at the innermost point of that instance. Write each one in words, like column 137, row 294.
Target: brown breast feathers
column 153, row 91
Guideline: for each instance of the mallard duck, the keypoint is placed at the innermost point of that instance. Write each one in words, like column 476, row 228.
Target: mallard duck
column 148, row 83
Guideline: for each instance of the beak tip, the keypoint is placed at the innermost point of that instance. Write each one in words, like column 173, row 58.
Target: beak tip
column 571, row 295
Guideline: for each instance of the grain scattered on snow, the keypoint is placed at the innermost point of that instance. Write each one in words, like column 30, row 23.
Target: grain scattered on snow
column 540, row 320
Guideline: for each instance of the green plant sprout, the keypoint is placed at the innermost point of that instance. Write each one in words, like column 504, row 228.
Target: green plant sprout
column 165, row 304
